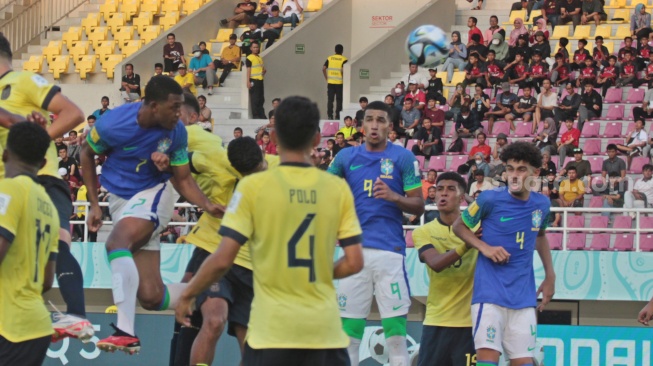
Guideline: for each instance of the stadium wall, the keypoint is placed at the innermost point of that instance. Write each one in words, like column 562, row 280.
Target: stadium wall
column 375, row 63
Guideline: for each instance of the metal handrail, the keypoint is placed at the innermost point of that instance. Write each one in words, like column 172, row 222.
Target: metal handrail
column 4, row 4
column 35, row 20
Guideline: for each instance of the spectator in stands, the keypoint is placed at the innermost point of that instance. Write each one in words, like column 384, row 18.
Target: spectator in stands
column 466, row 125
column 205, row 113
column 628, row 70
column 490, row 32
column 90, row 122
column 458, row 100
column 568, row 107
column 641, row 58
column 481, row 147
column 640, row 22
column 621, row 55
column 169, row 235
column 521, row 48
column 360, row 114
column 546, row 140
column 340, row 143
column 473, row 29
column 393, row 112
column 641, row 194
column 434, row 88
column 268, row 127
column 476, row 46
column 457, row 56
column 547, row 101
column 480, row 104
column 392, row 136
column 266, row 145
column 648, row 74
column 608, row 76
column 409, row 119
column 429, row 182
column 203, row 49
column 613, row 195
column 73, row 145
column 243, row 14
column 418, row 96
column 500, row 143
column 568, row 141
column 349, row 130
column 551, row 12
column 430, row 215
column 572, row 190
column 173, row 54
column 548, row 167
column 537, row 71
column 591, row 105
column 238, row 132
column 524, row 108
column 479, row 183
column 494, row 69
column 229, row 59
column 130, row 85
column 583, row 167
column 570, row 11
column 70, row 164
column 158, row 69
column 272, row 27
column 186, row 80
column 587, row 74
column 203, row 69
column 613, row 164
column 429, row 140
column 635, row 141
column 541, row 30
column 266, row 12
column 517, row 31
column 600, row 52
column 474, row 71
column 59, row 144
column 292, row 12
column 646, row 110
column 500, row 47
column 504, row 104
column 592, row 10
column 415, row 74
column 435, row 114
column 253, row 34
column 105, row 107
column 541, row 45
column 580, row 55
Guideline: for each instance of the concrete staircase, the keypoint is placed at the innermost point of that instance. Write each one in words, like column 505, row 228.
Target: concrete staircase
column 11, row 8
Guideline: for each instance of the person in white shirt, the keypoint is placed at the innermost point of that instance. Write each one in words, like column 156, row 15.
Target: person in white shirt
column 291, row 12
column 635, row 141
column 641, row 195
column 392, row 137
column 479, row 184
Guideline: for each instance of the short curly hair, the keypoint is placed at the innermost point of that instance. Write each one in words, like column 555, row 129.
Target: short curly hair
column 244, row 154
column 522, row 151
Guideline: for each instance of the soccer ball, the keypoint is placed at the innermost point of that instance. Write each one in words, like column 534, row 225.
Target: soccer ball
column 427, row 46
column 377, row 347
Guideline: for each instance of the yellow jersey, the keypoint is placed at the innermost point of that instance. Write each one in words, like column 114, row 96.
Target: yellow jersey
column 82, row 193
column 450, row 291
column 199, row 139
column 348, row 131
column 23, row 92
column 292, row 217
column 187, row 79
column 29, row 221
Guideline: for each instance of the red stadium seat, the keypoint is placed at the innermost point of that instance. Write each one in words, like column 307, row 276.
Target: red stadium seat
column 574, row 221
column 456, row 161
column 613, row 95
column 501, row 127
column 410, row 144
column 330, row 129
column 563, row 128
column 523, row 129
column 596, row 163
column 615, row 112
column 646, row 242
column 600, row 242
column 646, row 222
column 420, row 160
column 576, row 241
column 624, row 242
column 613, row 129
column 637, row 164
column 592, row 147
column 596, row 202
column 635, row 95
column 438, row 163
column 555, row 240
column 599, row 222
column 409, row 239
column 623, row 222
column 555, row 159
column 590, row 129
column 629, row 111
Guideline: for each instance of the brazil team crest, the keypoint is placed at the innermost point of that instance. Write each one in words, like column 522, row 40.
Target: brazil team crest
column 164, row 145
column 536, row 219
column 491, row 334
column 387, row 167
column 342, row 301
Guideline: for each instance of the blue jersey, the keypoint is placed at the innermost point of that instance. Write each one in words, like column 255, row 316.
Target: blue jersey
column 514, row 225
column 129, row 168
column 380, row 220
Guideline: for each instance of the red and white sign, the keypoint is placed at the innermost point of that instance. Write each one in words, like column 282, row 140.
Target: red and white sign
column 382, row 21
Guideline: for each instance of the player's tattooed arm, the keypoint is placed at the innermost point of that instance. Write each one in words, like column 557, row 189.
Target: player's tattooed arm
column 547, row 288
column 496, row 254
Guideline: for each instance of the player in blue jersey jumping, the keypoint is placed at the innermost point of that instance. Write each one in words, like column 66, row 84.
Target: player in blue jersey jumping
column 513, row 220
column 146, row 148
column 386, row 181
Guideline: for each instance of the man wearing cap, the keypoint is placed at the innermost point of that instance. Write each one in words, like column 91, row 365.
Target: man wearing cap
column 435, row 87
column 203, row 69
column 186, row 80
column 583, row 167
column 418, row 96
column 499, row 145
column 229, row 59
column 272, row 27
column 334, row 76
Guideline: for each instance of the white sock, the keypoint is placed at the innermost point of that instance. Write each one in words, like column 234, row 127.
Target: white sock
column 397, row 350
column 354, row 350
column 125, row 286
column 174, row 291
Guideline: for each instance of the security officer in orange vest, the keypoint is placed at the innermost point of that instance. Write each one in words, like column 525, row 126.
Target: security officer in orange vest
column 333, row 74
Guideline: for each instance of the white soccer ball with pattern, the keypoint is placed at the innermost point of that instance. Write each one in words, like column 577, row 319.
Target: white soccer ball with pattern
column 427, row 46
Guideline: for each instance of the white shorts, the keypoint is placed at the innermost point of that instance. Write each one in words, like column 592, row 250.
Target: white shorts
column 510, row 331
column 383, row 276
column 155, row 204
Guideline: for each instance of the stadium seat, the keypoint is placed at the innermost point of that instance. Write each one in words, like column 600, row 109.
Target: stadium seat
column 575, row 222
column 421, row 160
column 634, row 3
column 409, row 239
column 152, row 6
column 438, row 163
column 52, row 50
column 110, row 63
column 614, row 4
column 191, row 6
column 615, row 112
column 330, row 129
column 581, row 31
column 556, row 160
column 600, row 242
column 592, row 147
column 223, row 35
column 131, row 47
column 624, row 242
column 614, row 95
column 596, row 202
column 613, row 129
column 555, row 240
column 596, row 163
column 171, row 6
column 79, row 49
column 117, row 20
column 590, row 129
column 629, row 111
column 500, row 127
column 109, row 8
column 623, row 222
column 600, row 223
column 124, row 34
column 98, row 34
column 534, row 14
column 151, row 33
column 34, row 64
column 458, row 77
column 85, row 65
column 104, row 49
column 456, row 161
column 603, row 30
column 142, row 21
column 130, row 8
column 635, row 95
column 576, row 241
column 169, row 20
column 514, row 15
column 637, row 164
column 59, row 66
column 92, row 20
column 559, row 32
column 313, row 5
column 646, row 222
column 646, row 242
column 522, row 129
column 72, row 35
column 623, row 14
column 410, row 143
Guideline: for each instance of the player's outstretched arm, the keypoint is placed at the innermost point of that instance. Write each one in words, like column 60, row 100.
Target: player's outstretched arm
column 547, row 288
column 68, row 114
column 94, row 216
column 213, row 268
column 438, row 262
column 412, row 202
column 187, row 187
column 351, row 263
column 496, row 254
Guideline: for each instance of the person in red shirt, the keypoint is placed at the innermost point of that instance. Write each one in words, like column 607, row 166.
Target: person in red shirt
column 473, row 29
column 266, row 145
column 608, row 75
column 517, row 71
column 481, row 147
column 587, row 74
column 435, row 114
column 628, row 70
column 628, row 42
column 418, row 96
column 560, row 73
column 643, row 51
column 580, row 55
column 648, row 74
column 494, row 70
column 474, row 71
column 600, row 53
column 429, row 182
column 538, row 71
column 568, row 141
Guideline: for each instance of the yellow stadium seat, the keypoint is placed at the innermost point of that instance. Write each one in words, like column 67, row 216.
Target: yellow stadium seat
column 169, row 6
column 610, row 46
column 458, row 77
column 124, row 35
column 92, row 20
column 109, row 65
column 614, row 4
column 52, row 50
column 130, row 8
column 581, row 31
column 118, row 20
column 131, row 47
column 79, row 49
column 514, row 15
column 72, row 35
column 190, row 6
column 620, row 14
column 560, row 31
column 85, row 65
column 313, row 5
column 169, row 20
column 143, row 20
column 634, row 3
column 622, row 32
column 534, row 14
column 153, row 6
column 98, row 34
column 34, row 64
column 150, row 33
column 223, row 35
column 603, row 30
column 108, row 9
column 104, row 49
column 59, row 66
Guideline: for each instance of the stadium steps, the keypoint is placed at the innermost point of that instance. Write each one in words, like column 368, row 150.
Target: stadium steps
column 14, row 7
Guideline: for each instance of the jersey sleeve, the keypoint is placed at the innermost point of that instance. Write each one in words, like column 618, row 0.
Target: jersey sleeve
column 422, row 241
column 410, row 174
column 41, row 91
column 237, row 223
column 98, row 140
column 478, row 210
column 546, row 210
column 349, row 230
column 199, row 163
column 12, row 203
column 337, row 164
column 179, row 153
